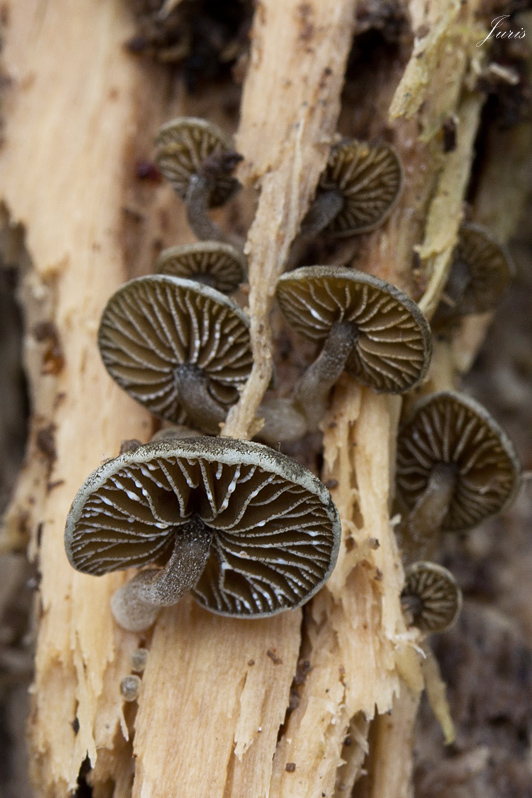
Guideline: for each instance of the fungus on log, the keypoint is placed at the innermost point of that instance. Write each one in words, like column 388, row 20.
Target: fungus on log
column 212, row 263
column 247, row 530
column 289, row 117
column 198, row 159
column 178, row 347
column 356, row 192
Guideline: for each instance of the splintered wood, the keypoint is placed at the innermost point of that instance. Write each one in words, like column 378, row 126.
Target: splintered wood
column 226, row 707
column 289, row 113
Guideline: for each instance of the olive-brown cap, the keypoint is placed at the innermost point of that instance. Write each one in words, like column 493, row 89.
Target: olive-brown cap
column 275, row 530
column 158, row 331
column 431, row 596
column 480, row 272
column 393, row 346
column 212, row 263
column 369, row 178
column 189, row 146
column 452, row 429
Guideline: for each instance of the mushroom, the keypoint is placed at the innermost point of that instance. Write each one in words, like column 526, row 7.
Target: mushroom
column 139, row 658
column 480, row 272
column 431, row 597
column 455, row 467
column 360, row 186
column 367, row 326
column 248, row 530
column 212, row 263
column 179, row 348
column 130, row 687
column 198, row 159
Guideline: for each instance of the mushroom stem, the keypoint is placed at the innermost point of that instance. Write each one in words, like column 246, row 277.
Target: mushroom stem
column 312, row 390
column 197, row 203
column 426, row 518
column 136, row 605
column 201, row 408
column 454, row 292
column 325, row 207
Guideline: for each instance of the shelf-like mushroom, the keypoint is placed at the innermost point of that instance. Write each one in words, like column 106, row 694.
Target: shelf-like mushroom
column 198, row 159
column 431, row 598
column 360, row 186
column 213, row 263
column 248, row 530
column 480, row 272
column 179, row 348
column 455, row 467
column 367, row 327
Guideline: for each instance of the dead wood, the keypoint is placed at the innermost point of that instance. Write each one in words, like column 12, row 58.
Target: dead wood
column 80, row 112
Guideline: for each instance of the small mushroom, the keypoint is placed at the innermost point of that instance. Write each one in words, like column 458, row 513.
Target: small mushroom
column 357, row 191
column 179, row 348
column 455, row 467
column 480, row 272
column 139, row 658
column 248, row 530
column 130, row 687
column 212, row 263
column 431, row 597
column 367, row 327
column 198, row 159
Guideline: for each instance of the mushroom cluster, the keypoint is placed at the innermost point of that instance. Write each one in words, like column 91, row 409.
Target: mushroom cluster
column 247, row 530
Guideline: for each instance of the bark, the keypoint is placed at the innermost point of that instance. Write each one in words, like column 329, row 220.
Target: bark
column 212, row 716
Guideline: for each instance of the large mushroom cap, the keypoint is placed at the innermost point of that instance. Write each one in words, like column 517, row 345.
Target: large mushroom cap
column 186, row 146
column 480, row 272
column 275, row 529
column 393, row 349
column 154, row 325
column 431, row 596
column 369, row 177
column 450, row 429
column 210, row 262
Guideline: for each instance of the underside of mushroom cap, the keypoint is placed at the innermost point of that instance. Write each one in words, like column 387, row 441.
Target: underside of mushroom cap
column 449, row 428
column 393, row 347
column 184, row 146
column 154, row 326
column 369, row 177
column 276, row 531
column 480, row 272
column 213, row 263
column 432, row 597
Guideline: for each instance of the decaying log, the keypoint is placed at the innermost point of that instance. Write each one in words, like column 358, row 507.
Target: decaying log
column 213, row 714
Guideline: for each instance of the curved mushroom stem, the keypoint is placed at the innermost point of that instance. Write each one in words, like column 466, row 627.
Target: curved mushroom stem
column 325, row 207
column 136, row 605
column 425, row 519
column 202, row 409
column 197, row 203
column 312, row 390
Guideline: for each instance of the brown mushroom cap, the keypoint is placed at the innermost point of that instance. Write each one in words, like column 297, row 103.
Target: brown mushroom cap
column 275, row 530
column 448, row 429
column 154, row 326
column 369, row 177
column 393, row 346
column 480, row 272
column 212, row 263
column 431, row 596
column 186, row 146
